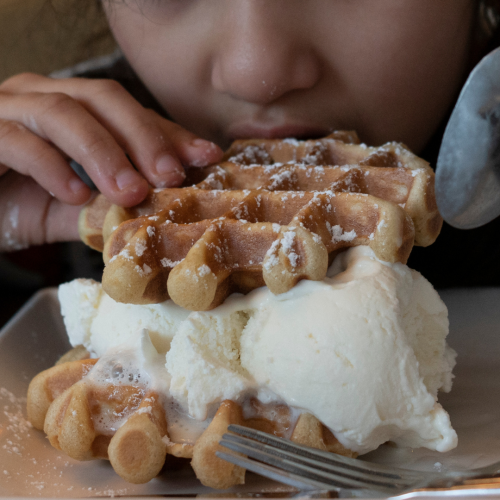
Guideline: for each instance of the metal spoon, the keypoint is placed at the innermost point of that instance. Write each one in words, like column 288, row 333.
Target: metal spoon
column 468, row 167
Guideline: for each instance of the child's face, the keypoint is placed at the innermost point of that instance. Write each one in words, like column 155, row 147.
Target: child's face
column 228, row 69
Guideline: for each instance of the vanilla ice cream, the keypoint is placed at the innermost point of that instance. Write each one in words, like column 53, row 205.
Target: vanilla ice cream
column 96, row 321
column 363, row 350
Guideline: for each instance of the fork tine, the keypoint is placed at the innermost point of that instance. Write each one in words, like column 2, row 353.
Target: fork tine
column 332, row 459
column 290, row 461
column 274, row 473
column 307, row 468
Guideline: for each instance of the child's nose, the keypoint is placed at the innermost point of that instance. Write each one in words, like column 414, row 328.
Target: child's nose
column 259, row 58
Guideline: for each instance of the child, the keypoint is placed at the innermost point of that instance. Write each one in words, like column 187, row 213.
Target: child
column 222, row 70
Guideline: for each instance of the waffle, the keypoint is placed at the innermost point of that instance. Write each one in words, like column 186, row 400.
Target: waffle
column 271, row 213
column 71, row 409
column 245, row 224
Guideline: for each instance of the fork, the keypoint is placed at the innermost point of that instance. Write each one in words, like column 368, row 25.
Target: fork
column 310, row 469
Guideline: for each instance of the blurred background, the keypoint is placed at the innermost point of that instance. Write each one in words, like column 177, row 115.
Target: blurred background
column 43, row 36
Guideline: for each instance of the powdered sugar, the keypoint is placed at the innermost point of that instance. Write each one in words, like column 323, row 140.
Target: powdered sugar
column 140, row 247
column 204, row 270
column 144, row 270
column 291, row 141
column 124, row 254
column 17, row 425
column 215, row 179
column 169, row 263
column 147, row 409
column 271, row 259
column 30, row 467
column 287, row 245
column 338, row 234
column 280, row 178
column 316, row 238
column 252, row 154
column 381, row 224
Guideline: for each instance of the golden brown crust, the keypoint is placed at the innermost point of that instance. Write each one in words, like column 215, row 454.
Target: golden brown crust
column 198, row 244
column 309, row 431
column 138, row 449
column 68, row 423
column 199, row 255
column 49, row 384
column 90, row 223
column 211, row 470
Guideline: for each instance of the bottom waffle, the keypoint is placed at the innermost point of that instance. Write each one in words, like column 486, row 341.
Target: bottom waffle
column 127, row 424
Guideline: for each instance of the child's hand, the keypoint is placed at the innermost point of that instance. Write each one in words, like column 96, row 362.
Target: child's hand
column 46, row 122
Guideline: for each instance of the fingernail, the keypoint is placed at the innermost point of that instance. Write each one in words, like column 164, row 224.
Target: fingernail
column 127, row 179
column 76, row 185
column 167, row 165
column 171, row 172
column 207, row 152
column 202, row 143
column 198, row 143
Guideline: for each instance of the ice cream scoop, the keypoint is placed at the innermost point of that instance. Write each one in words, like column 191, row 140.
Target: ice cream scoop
column 364, row 350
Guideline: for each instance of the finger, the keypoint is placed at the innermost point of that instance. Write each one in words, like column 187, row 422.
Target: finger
column 194, row 151
column 30, row 216
column 160, row 148
column 134, row 128
column 157, row 147
column 150, row 147
column 68, row 125
column 28, row 154
column 61, row 222
column 142, row 133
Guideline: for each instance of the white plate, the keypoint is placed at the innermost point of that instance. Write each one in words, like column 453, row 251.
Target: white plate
column 35, row 338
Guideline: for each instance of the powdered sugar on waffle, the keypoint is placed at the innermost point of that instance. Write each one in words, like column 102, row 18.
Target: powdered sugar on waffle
column 287, row 245
column 338, row 233
column 143, row 270
column 271, row 258
column 252, row 155
column 140, row 247
column 170, row 263
column 204, row 270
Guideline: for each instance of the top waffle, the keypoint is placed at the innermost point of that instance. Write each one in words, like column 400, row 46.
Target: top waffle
column 272, row 214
